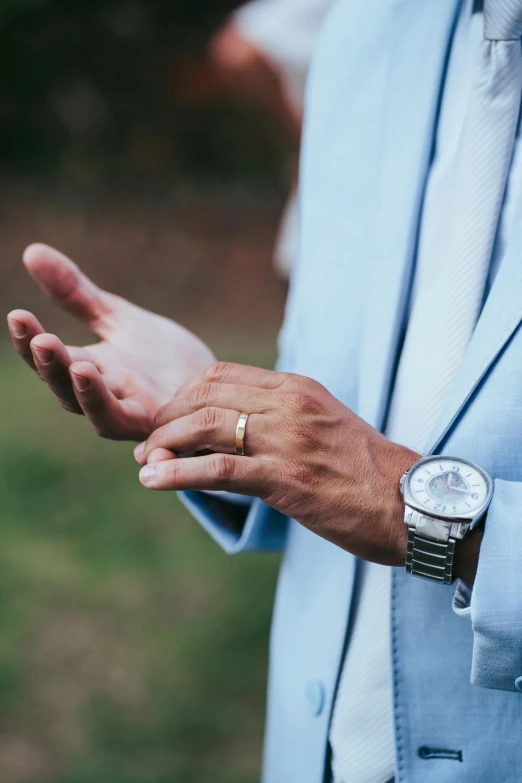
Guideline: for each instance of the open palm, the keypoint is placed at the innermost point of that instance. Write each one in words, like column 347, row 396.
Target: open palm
column 121, row 381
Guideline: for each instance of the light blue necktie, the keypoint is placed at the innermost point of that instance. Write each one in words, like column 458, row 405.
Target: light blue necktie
column 449, row 299
column 446, row 304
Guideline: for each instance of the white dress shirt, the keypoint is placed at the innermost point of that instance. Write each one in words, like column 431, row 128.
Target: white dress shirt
column 365, row 726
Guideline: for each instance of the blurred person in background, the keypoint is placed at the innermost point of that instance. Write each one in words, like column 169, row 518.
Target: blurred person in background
column 261, row 57
column 402, row 337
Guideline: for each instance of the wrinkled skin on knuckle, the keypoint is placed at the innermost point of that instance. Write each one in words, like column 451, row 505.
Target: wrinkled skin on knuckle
column 199, row 395
column 311, row 405
column 207, row 420
column 309, row 386
column 217, row 371
column 301, row 402
column 308, row 427
column 222, row 469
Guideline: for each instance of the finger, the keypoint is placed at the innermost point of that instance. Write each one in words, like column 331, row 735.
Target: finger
column 23, row 327
column 111, row 418
column 65, row 283
column 160, row 455
column 214, row 472
column 52, row 361
column 213, row 429
column 244, row 375
column 215, row 395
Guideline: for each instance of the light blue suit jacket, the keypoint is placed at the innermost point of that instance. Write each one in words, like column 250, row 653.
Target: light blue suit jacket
column 373, row 97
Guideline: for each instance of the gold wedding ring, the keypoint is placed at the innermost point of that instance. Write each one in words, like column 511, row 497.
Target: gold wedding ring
column 240, row 434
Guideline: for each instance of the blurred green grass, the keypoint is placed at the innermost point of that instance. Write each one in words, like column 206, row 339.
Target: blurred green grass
column 132, row 650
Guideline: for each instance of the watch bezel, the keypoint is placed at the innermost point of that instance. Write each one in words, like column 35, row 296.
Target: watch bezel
column 412, row 503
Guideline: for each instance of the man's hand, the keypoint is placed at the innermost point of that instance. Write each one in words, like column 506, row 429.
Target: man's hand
column 308, row 456
column 120, row 382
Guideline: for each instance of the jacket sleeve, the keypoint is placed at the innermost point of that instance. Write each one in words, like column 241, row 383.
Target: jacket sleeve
column 494, row 604
column 237, row 527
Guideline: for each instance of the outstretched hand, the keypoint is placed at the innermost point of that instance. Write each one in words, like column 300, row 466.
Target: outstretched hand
column 120, row 382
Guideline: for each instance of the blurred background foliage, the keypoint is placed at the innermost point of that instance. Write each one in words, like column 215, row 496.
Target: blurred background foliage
column 95, row 89
column 131, row 649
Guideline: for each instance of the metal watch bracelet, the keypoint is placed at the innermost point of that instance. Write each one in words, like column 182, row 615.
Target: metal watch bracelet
column 428, row 558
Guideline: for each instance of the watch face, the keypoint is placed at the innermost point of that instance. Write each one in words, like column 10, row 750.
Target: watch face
column 449, row 487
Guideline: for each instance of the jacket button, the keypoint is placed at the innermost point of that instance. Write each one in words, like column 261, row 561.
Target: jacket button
column 315, row 696
column 518, row 684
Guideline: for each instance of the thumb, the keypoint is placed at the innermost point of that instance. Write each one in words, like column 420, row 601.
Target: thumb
column 62, row 281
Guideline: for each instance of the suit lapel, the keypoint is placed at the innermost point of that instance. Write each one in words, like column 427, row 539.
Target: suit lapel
column 500, row 317
column 420, row 34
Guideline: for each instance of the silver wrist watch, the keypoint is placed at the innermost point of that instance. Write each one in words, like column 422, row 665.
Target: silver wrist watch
column 445, row 497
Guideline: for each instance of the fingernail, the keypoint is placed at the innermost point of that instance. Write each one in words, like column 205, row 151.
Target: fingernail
column 148, row 475
column 79, row 381
column 138, row 451
column 17, row 327
column 45, row 356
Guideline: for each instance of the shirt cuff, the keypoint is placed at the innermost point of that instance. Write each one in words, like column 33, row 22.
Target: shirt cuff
column 462, row 599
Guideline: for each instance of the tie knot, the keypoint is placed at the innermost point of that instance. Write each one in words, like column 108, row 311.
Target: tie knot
column 502, row 20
